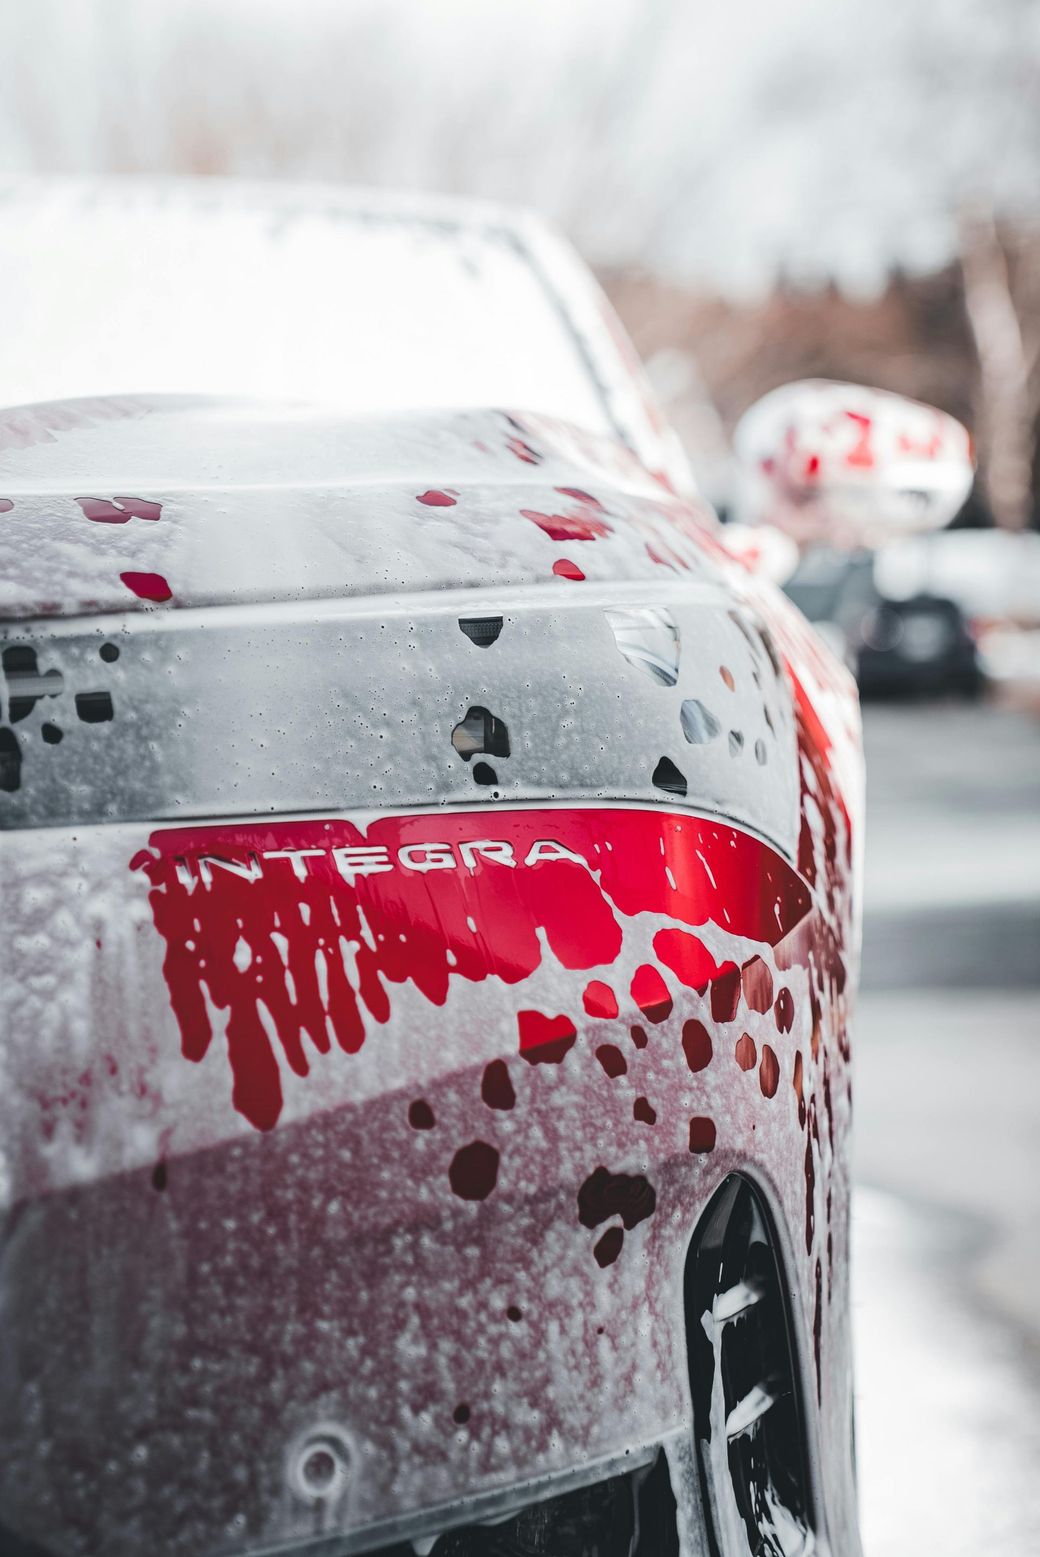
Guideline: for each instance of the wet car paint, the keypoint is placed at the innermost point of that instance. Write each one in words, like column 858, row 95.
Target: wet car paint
column 365, row 1086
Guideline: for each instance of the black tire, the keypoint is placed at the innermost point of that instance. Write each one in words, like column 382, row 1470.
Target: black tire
column 749, row 1421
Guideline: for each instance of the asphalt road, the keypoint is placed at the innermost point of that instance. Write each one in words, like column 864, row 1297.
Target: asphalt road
column 947, row 1146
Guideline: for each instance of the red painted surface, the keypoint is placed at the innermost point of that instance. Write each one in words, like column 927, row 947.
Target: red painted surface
column 119, row 510
column 564, row 568
column 689, row 959
column 757, row 983
column 702, row 1135
column 745, row 1053
column 725, row 995
column 697, row 1045
column 651, row 994
column 523, row 451
column 784, row 1011
column 612, row 1060
column 299, row 932
column 626, row 1195
column 545, row 1040
column 599, row 999
column 147, row 586
column 580, row 496
column 496, row 1088
column 474, row 1171
column 609, row 1247
column 568, row 527
column 769, row 1071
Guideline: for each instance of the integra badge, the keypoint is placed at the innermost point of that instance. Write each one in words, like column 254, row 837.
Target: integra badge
column 354, row 860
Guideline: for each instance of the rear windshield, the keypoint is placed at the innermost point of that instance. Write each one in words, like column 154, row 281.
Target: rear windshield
column 120, row 290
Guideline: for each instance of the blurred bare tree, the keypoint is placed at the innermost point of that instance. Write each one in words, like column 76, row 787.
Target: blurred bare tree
column 1001, row 273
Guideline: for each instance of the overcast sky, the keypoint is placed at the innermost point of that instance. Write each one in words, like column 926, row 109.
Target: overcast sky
column 711, row 140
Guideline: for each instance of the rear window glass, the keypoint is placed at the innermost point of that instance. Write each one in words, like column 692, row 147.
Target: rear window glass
column 122, row 291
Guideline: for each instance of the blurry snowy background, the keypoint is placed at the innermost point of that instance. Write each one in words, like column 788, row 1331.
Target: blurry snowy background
column 767, row 191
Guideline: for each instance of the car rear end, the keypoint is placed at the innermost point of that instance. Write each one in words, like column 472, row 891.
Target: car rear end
column 428, row 941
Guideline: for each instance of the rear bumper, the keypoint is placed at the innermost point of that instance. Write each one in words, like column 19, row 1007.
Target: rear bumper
column 438, row 1258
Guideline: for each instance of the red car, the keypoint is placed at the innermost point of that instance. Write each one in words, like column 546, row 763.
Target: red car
column 429, row 875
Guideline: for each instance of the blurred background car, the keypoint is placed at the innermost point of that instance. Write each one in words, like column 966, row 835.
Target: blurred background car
column 918, row 646
column 993, row 578
column 956, row 612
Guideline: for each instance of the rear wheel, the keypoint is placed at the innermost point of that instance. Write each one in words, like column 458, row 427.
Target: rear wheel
column 748, row 1417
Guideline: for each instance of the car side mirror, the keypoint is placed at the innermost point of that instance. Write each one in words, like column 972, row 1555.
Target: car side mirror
column 849, row 466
